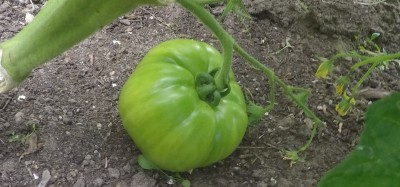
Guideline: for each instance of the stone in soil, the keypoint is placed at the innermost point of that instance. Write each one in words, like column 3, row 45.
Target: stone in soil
column 142, row 180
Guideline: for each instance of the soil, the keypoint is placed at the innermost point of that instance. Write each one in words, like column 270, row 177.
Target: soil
column 70, row 103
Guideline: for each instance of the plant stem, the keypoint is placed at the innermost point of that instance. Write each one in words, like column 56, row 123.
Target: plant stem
column 375, row 60
column 353, row 55
column 229, row 7
column 364, row 77
column 204, row 2
column 58, row 26
column 366, row 59
column 287, row 90
column 272, row 89
column 227, row 43
column 222, row 76
column 380, row 58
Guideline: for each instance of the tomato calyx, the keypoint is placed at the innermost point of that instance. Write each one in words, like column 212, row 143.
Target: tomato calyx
column 207, row 89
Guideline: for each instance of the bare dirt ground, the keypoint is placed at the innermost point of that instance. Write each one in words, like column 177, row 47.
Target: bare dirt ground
column 72, row 101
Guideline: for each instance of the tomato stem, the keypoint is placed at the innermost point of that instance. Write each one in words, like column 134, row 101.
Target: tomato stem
column 375, row 62
column 288, row 90
column 207, row 90
column 226, row 40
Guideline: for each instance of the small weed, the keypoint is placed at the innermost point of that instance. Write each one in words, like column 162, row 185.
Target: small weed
column 237, row 7
column 369, row 54
column 286, row 44
column 19, row 137
column 16, row 137
column 302, row 7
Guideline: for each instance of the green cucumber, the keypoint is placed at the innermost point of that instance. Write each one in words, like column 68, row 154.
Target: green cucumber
column 57, row 27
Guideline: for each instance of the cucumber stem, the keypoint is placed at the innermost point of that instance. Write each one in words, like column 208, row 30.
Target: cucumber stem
column 59, row 25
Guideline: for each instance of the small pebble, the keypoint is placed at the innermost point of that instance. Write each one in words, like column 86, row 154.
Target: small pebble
column 122, row 184
column 98, row 182
column 88, row 157
column 6, row 125
column 113, row 173
column 127, row 168
column 125, row 22
column 80, row 183
column 29, row 17
column 142, row 180
column 99, row 126
column 72, row 100
column 45, row 178
column 73, row 173
column 85, row 162
column 66, row 120
column 19, row 116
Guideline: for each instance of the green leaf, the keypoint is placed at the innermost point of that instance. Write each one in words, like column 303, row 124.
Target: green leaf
column 293, row 156
column 145, row 163
column 185, row 183
column 237, row 7
column 302, row 97
column 229, row 7
column 375, row 35
column 241, row 10
column 255, row 113
column 376, row 160
column 16, row 137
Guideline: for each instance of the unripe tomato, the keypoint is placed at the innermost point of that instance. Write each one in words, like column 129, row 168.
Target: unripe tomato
column 170, row 123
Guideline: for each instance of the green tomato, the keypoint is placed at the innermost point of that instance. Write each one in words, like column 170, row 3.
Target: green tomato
column 172, row 125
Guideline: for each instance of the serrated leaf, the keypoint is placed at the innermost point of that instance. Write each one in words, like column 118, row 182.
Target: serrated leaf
column 255, row 113
column 145, row 163
column 376, row 160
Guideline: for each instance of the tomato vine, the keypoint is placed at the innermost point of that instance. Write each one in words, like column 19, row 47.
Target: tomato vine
column 298, row 95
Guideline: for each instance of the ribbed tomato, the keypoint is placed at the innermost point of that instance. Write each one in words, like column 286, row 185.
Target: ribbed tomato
column 171, row 122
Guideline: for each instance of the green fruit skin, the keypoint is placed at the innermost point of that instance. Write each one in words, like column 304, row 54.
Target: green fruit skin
column 59, row 25
column 163, row 114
